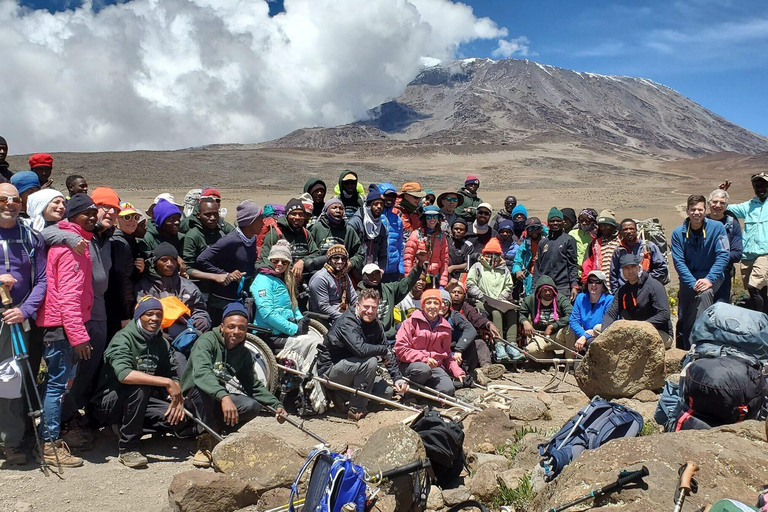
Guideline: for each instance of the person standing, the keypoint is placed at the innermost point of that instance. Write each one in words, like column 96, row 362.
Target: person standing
column 407, row 207
column 42, row 165
column 449, row 202
column 527, row 253
column 317, row 189
column 5, row 171
column 394, row 270
column 349, row 193
column 471, row 201
column 431, row 239
column 506, row 213
column 599, row 253
column 27, row 183
column 557, row 258
column 700, row 252
column 205, row 229
column 76, row 184
column 653, row 262
column 718, row 210
column 23, row 277
column 584, row 232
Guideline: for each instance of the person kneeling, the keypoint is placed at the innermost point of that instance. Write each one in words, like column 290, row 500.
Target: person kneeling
column 139, row 373
column 423, row 346
column 349, row 355
column 217, row 357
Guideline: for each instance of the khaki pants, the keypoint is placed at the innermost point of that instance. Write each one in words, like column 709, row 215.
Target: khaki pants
column 754, row 273
column 540, row 348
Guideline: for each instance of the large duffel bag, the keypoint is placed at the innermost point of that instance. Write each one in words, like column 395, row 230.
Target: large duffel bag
column 732, row 326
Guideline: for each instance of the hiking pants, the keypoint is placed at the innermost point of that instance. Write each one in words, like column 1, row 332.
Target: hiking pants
column 506, row 323
column 690, row 305
column 208, row 410
column 540, row 348
column 135, row 409
column 358, row 373
column 477, row 354
column 435, row 378
column 12, row 421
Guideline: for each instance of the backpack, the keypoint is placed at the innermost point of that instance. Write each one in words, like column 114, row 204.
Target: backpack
column 597, row 423
column 444, row 442
column 184, row 341
column 652, row 230
column 333, row 482
column 726, row 325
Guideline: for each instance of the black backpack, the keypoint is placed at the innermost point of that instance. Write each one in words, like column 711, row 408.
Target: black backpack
column 444, row 442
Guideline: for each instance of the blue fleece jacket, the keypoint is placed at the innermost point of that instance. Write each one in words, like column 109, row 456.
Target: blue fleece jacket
column 585, row 315
column 702, row 255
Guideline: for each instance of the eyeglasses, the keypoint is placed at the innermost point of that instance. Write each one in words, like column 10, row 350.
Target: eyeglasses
column 431, row 217
column 338, row 258
column 533, row 228
column 130, row 217
column 108, row 209
column 10, row 199
column 593, row 281
column 451, row 199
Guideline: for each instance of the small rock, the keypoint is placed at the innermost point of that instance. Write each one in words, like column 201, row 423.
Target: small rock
column 489, row 426
column 483, row 483
column 545, row 397
column 511, row 478
column 435, row 498
column 475, row 460
column 203, row 491
column 528, row 452
column 527, row 408
column 538, row 483
column 672, row 359
column 457, row 495
column 273, row 498
column 386, row 503
column 575, row 399
column 486, row 448
column 646, row 395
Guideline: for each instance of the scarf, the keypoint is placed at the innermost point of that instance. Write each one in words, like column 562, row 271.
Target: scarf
column 247, row 241
column 555, row 316
column 147, row 335
column 480, row 230
column 372, row 226
column 408, row 207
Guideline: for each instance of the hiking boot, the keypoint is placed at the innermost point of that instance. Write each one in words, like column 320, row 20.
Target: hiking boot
column 66, row 459
column 501, row 353
column 337, row 398
column 514, row 354
column 77, row 437
column 203, row 458
column 15, row 456
column 133, row 460
column 355, row 414
column 494, row 371
column 480, row 377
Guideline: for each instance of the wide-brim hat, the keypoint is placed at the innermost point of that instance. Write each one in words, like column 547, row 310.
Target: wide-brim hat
column 441, row 198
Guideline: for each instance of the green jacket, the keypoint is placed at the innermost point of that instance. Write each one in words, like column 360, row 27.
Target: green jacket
column 196, row 240
column 471, row 202
column 583, row 239
column 325, row 236
column 483, row 280
column 153, row 238
column 210, row 362
column 303, row 246
column 393, row 294
column 528, row 307
column 129, row 350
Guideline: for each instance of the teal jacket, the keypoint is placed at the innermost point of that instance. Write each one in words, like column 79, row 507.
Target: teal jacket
column 522, row 261
column 273, row 305
column 755, row 232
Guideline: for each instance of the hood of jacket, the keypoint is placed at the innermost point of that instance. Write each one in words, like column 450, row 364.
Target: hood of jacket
column 311, row 182
column 544, row 280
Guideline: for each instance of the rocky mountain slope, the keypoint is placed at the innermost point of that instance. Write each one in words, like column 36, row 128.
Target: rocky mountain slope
column 481, row 101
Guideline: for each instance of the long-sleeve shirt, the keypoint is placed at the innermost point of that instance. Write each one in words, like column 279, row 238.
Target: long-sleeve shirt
column 28, row 269
column 755, row 215
column 700, row 254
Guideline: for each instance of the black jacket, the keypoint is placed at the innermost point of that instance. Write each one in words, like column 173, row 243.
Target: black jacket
column 645, row 301
column 462, row 331
column 557, row 259
column 351, row 337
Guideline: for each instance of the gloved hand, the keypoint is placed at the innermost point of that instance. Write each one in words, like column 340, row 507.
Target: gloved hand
column 200, row 323
column 303, row 325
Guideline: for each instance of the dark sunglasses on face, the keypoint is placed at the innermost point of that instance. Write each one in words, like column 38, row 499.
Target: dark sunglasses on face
column 451, row 199
column 10, row 199
column 483, row 213
column 533, row 228
column 593, row 281
column 339, row 258
column 431, row 217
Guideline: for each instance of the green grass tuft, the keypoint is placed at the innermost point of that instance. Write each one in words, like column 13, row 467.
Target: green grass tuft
column 519, row 498
column 649, row 428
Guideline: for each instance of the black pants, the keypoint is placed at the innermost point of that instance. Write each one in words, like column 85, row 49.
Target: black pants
column 208, row 410
column 138, row 410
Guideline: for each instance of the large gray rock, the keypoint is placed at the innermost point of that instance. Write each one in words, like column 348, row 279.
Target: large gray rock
column 489, row 426
column 260, row 458
column 528, row 452
column 731, row 460
column 204, row 491
column 526, row 408
column 457, row 495
column 484, row 482
column 390, row 447
column 511, row 478
column 625, row 359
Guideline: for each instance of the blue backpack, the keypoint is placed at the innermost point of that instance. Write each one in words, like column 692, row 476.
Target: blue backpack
column 597, row 423
column 333, row 482
column 185, row 339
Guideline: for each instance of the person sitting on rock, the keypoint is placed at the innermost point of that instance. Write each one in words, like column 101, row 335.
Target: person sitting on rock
column 350, row 352
column 481, row 323
column 139, row 374
column 640, row 298
column 546, row 312
column 423, row 346
column 217, row 357
column 588, row 310
column 412, row 301
column 331, row 291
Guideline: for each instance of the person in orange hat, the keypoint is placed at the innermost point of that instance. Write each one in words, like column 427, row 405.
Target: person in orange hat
column 407, row 207
column 42, row 165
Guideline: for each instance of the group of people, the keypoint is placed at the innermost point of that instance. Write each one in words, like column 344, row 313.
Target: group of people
column 139, row 314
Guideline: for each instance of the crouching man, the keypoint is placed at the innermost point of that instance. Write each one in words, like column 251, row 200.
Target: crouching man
column 349, row 355
column 217, row 357
column 139, row 375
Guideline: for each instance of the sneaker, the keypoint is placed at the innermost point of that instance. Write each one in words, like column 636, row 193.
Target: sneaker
column 514, row 354
column 480, row 377
column 77, row 437
column 203, row 458
column 15, row 456
column 355, row 414
column 501, row 353
column 133, row 460
column 493, row 371
column 65, row 457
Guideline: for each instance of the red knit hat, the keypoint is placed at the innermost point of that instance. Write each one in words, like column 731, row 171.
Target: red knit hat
column 105, row 196
column 40, row 160
column 472, row 178
column 210, row 192
column 492, row 247
column 431, row 293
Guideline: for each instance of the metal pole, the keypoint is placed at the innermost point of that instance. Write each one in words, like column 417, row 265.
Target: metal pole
column 549, row 339
column 440, row 400
column 446, row 398
column 208, row 429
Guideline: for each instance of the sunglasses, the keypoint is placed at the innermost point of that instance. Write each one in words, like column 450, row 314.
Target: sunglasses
column 210, row 198
column 533, row 228
column 338, row 258
column 431, row 217
column 10, row 199
column 132, row 216
column 594, row 281
column 483, row 213
column 280, row 262
column 451, row 199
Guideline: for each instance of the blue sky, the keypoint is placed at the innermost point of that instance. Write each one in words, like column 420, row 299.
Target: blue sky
column 713, row 51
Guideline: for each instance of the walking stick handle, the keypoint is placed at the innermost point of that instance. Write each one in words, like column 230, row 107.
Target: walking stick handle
column 5, row 297
column 687, row 476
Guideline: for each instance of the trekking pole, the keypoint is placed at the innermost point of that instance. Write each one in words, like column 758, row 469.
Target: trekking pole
column 208, row 429
column 686, row 484
column 549, row 339
column 625, row 478
column 238, row 387
column 441, row 401
column 357, row 392
column 21, row 355
column 446, row 399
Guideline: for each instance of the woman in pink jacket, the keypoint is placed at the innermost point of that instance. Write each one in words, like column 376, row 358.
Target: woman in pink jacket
column 423, row 346
column 62, row 316
column 430, row 238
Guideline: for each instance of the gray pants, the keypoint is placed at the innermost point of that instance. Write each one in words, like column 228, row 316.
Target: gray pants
column 11, row 410
column 690, row 305
column 358, row 373
column 435, row 378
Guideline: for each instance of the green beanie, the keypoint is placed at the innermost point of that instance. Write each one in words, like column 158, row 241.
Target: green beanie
column 554, row 212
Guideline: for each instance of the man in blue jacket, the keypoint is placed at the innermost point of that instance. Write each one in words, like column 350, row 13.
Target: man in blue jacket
column 394, row 270
column 700, row 252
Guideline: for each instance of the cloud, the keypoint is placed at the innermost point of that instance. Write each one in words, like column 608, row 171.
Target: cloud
column 508, row 48
column 177, row 73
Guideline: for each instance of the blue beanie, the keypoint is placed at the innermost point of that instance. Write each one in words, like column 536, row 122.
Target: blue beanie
column 234, row 308
column 519, row 209
column 505, row 224
column 374, row 194
column 25, row 180
column 146, row 303
column 163, row 210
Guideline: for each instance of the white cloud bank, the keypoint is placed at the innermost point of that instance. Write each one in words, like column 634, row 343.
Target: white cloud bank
column 152, row 74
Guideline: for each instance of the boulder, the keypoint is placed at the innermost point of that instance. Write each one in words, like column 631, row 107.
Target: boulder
column 258, row 457
column 672, row 359
column 457, row 495
column 526, row 408
column 386, row 503
column 528, row 451
column 475, row 460
column 731, row 459
column 575, row 400
column 625, row 359
column 274, row 498
column 484, row 482
column 486, row 448
column 489, row 426
column 390, row 447
column 511, row 478
column 646, row 396
column 204, row 491
column 435, row 498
